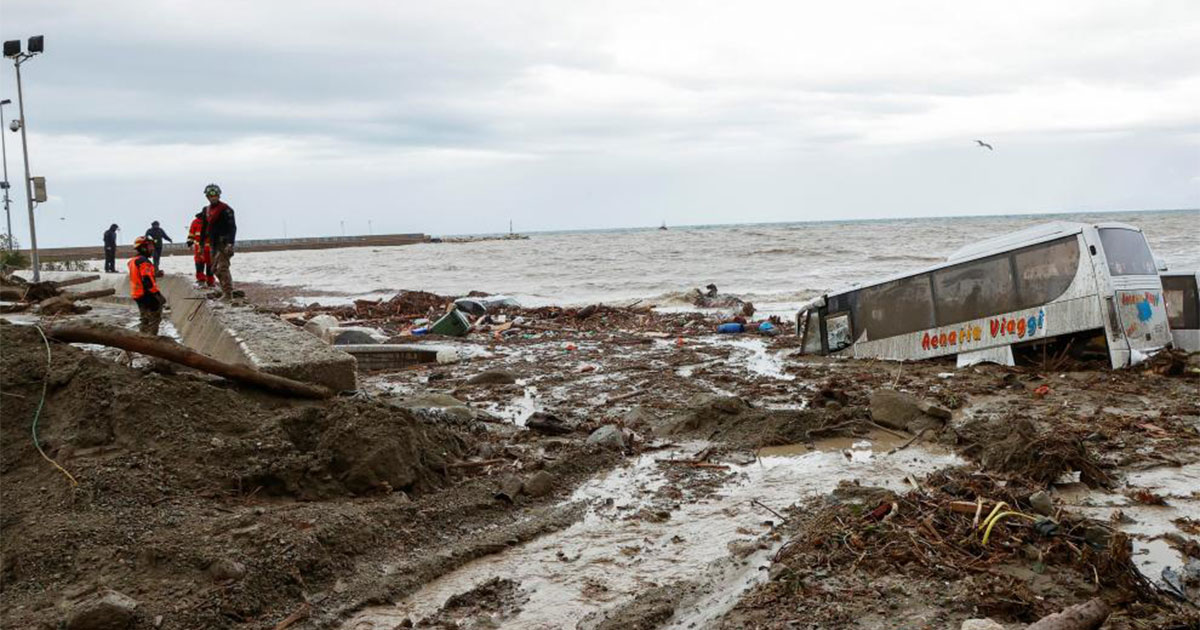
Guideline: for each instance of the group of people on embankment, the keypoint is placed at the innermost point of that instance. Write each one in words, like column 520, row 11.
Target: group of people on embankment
column 211, row 236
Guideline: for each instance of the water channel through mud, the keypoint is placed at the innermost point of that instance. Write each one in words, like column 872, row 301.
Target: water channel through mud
column 644, row 529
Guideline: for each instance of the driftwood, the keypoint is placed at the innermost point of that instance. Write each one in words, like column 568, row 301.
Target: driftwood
column 1086, row 616
column 168, row 349
column 12, row 294
column 74, row 281
column 88, row 295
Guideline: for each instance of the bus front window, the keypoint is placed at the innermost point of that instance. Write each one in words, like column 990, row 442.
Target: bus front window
column 1127, row 253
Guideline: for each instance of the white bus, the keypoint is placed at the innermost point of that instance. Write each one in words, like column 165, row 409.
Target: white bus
column 1183, row 308
column 1047, row 281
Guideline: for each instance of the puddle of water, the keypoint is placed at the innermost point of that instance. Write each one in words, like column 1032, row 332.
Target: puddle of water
column 610, row 556
column 855, row 448
column 518, row 409
column 1145, row 523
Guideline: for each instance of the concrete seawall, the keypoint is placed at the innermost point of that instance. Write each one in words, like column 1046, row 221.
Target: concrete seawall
column 237, row 334
column 125, row 249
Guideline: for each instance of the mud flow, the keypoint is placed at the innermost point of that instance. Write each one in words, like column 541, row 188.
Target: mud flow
column 704, row 537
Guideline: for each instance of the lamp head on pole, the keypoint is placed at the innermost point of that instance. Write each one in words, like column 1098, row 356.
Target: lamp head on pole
column 37, row 44
column 6, row 101
column 12, row 48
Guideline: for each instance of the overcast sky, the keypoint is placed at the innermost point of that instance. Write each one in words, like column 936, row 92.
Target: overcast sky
column 455, row 117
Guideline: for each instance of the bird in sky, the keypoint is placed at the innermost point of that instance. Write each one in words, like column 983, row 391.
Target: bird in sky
column 984, row 144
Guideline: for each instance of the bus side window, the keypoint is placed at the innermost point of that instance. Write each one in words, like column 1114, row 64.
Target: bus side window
column 1045, row 271
column 975, row 289
column 812, row 334
column 838, row 331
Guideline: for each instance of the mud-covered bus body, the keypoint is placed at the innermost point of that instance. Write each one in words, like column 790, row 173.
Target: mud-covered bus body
column 1029, row 286
column 1180, row 290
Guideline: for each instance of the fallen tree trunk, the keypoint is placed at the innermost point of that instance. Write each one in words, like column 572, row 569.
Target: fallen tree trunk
column 168, row 349
column 88, row 295
column 12, row 294
column 1086, row 616
column 73, row 281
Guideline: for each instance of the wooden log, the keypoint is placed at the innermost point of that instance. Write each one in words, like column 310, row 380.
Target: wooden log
column 74, row 281
column 88, row 295
column 1086, row 616
column 168, row 349
column 12, row 294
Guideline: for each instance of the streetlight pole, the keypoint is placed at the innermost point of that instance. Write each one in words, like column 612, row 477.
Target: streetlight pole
column 28, row 178
column 12, row 49
column 4, row 151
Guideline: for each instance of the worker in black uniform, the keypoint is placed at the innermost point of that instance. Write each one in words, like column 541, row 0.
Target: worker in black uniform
column 157, row 235
column 110, row 249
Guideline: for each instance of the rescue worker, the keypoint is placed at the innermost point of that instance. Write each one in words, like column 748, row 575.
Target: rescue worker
column 157, row 234
column 201, row 252
column 110, row 249
column 219, row 231
column 143, row 287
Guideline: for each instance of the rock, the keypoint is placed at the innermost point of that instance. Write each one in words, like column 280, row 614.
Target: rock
column 608, row 436
column 930, row 409
column 586, row 312
column 547, row 424
column 227, row 570
column 351, row 336
column 58, row 305
column 539, row 484
column 639, row 417
column 493, row 377
column 904, row 412
column 109, row 611
column 320, row 325
column 980, row 624
column 510, row 487
column 1041, row 503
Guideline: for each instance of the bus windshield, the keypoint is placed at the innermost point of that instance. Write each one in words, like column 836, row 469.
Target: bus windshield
column 1127, row 253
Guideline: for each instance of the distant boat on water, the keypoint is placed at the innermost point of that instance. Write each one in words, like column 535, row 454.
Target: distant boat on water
column 663, row 226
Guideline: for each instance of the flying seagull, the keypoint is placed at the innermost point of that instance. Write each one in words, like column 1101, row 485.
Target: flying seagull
column 984, row 144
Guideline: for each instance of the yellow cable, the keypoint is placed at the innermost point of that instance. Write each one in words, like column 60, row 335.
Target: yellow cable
column 996, row 510
column 37, row 414
column 1001, row 516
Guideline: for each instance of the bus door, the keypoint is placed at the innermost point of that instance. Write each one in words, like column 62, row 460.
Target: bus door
column 1136, row 300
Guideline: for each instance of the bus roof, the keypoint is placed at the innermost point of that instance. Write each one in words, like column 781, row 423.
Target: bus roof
column 1031, row 235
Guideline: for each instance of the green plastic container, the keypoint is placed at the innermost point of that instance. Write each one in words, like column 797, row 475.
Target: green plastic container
column 452, row 324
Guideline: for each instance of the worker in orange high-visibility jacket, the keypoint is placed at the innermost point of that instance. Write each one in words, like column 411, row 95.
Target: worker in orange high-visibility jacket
column 201, row 252
column 143, row 288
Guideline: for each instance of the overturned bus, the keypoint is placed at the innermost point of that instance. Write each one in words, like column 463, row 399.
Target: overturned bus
column 1027, row 287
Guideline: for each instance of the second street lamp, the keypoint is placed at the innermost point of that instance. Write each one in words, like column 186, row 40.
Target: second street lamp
column 6, row 186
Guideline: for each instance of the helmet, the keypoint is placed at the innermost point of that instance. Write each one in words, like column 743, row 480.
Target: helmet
column 142, row 241
column 212, row 189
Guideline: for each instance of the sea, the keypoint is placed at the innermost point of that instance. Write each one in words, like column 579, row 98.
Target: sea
column 776, row 266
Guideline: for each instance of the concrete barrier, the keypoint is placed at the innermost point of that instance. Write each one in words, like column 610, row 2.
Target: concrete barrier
column 236, row 334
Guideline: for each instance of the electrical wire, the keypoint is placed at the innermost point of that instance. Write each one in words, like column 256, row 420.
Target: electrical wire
column 37, row 414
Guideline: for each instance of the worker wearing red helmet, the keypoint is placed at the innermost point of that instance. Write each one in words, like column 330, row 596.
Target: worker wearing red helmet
column 201, row 252
column 143, row 288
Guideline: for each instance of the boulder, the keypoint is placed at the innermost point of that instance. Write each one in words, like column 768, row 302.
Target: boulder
column 320, row 325
column 350, row 336
column 227, row 570
column 510, row 487
column 981, row 624
column 608, row 436
column 539, row 484
column 547, row 424
column 1041, row 503
column 493, row 377
column 905, row 412
column 108, row 611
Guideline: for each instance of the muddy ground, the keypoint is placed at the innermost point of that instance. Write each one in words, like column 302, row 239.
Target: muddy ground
column 213, row 506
